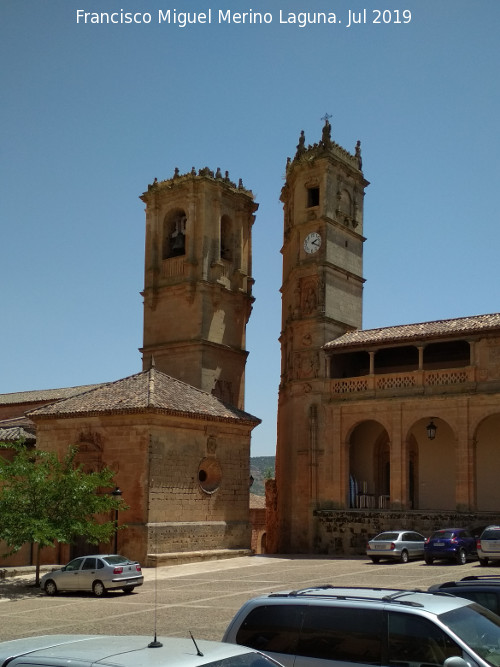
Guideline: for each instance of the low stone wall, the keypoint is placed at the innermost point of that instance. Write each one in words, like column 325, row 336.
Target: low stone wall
column 346, row 532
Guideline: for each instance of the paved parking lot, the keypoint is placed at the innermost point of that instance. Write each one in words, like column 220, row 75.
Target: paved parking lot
column 200, row 597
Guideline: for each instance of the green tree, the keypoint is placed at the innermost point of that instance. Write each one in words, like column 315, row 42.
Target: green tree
column 44, row 499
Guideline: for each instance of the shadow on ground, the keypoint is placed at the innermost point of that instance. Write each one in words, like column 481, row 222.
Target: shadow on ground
column 18, row 588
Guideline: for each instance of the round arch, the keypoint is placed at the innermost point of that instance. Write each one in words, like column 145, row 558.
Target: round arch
column 431, row 466
column 486, row 463
column 368, row 449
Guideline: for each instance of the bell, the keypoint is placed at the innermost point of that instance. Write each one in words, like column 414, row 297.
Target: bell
column 178, row 245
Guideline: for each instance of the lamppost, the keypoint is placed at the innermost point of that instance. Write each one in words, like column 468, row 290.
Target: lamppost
column 117, row 493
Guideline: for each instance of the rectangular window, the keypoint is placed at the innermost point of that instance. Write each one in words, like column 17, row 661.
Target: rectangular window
column 343, row 634
column 312, row 197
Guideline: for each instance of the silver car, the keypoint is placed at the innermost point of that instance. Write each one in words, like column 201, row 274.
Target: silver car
column 488, row 545
column 126, row 651
column 97, row 573
column 401, row 545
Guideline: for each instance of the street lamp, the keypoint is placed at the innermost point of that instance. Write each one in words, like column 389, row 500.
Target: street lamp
column 117, row 493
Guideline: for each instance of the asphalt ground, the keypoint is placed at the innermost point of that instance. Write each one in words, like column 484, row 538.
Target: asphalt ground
column 200, row 597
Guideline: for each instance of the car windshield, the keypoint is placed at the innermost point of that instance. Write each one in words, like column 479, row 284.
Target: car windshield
column 443, row 535
column 384, row 537
column 479, row 628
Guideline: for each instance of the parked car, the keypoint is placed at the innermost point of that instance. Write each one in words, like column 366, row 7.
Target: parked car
column 126, row 651
column 456, row 544
column 399, row 545
column 97, row 573
column 488, row 545
column 484, row 590
column 331, row 626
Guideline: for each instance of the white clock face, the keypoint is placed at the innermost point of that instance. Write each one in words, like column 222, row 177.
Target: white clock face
column 312, row 242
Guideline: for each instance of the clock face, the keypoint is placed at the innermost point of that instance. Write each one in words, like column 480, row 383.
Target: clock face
column 312, row 242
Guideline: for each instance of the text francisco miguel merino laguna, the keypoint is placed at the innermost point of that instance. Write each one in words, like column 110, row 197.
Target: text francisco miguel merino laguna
column 225, row 16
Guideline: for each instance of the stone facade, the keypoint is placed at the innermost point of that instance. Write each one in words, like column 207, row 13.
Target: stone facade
column 354, row 404
column 176, row 435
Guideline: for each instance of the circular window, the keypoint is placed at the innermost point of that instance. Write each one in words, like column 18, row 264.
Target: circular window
column 209, row 475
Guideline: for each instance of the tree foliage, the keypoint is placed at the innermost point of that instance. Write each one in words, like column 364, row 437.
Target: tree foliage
column 44, row 499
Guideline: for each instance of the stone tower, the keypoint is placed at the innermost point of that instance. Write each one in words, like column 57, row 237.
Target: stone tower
column 321, row 299
column 198, row 284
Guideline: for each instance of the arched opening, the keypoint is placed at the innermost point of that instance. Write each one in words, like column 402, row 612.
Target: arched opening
column 432, row 466
column 226, row 238
column 174, row 234
column 369, row 466
column 487, row 464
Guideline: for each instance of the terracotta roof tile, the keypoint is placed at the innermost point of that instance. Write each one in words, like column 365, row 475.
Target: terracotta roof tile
column 44, row 395
column 17, row 428
column 461, row 326
column 149, row 390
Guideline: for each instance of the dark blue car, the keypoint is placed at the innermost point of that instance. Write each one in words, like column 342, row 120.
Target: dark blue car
column 457, row 544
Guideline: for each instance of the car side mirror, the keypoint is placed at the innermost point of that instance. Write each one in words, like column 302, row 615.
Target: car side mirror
column 455, row 661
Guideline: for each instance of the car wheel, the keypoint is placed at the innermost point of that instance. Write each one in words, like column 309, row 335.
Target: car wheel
column 428, row 560
column 483, row 562
column 50, row 587
column 98, row 589
column 404, row 556
column 128, row 589
column 374, row 559
column 461, row 557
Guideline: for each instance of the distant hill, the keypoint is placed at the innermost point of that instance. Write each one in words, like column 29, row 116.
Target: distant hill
column 261, row 468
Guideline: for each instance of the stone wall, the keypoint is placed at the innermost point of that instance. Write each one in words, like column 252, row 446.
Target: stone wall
column 346, row 532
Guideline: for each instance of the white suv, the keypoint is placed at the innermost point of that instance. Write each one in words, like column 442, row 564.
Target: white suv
column 488, row 545
column 329, row 626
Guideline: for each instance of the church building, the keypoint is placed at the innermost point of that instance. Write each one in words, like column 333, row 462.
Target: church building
column 176, row 434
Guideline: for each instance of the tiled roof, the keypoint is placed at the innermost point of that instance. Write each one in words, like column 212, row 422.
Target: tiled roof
column 462, row 326
column 257, row 502
column 150, row 390
column 17, row 428
column 44, row 395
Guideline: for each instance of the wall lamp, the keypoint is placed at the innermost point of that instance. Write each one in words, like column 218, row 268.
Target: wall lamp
column 431, row 429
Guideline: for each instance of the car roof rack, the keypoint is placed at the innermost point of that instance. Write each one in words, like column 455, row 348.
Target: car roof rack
column 393, row 595
column 482, row 577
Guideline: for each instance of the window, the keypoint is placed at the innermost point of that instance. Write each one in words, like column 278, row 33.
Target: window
column 89, row 564
column 414, row 640
column 346, row 635
column 312, row 197
column 174, row 234
column 272, row 628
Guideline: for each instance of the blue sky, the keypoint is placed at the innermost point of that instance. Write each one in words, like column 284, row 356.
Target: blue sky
column 91, row 114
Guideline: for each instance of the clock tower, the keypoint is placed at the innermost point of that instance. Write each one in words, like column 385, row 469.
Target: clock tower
column 198, row 280
column 321, row 299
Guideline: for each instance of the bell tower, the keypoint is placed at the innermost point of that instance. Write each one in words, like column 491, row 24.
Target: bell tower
column 322, row 294
column 198, row 280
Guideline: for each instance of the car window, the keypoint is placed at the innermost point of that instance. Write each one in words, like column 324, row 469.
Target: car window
column 487, row 599
column 74, row 564
column 116, row 560
column 100, row 564
column 413, row 639
column 383, row 537
column 89, row 564
column 272, row 628
column 443, row 535
column 491, row 534
column 347, row 635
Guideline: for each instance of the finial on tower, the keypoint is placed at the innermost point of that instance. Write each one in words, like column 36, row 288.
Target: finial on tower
column 301, row 146
column 357, row 153
column 326, row 136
